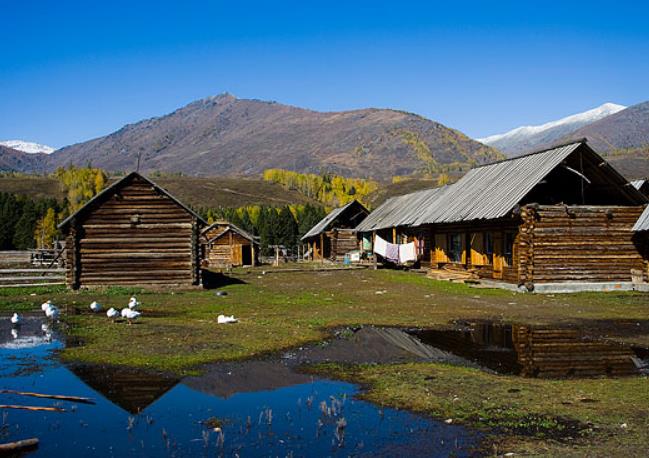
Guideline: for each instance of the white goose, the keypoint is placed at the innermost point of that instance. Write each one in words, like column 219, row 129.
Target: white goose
column 224, row 319
column 112, row 313
column 132, row 315
column 52, row 313
column 133, row 303
column 47, row 304
column 16, row 319
column 95, row 306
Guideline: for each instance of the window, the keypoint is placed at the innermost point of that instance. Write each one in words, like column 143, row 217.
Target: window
column 489, row 246
column 455, row 247
column 509, row 248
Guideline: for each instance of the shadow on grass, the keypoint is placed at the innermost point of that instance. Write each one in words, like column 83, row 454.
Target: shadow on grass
column 214, row 280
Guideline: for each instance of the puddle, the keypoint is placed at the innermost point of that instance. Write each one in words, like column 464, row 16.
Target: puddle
column 263, row 408
column 536, row 351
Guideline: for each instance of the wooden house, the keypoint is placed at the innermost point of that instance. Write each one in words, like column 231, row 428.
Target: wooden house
column 335, row 235
column 558, row 215
column 132, row 233
column 225, row 245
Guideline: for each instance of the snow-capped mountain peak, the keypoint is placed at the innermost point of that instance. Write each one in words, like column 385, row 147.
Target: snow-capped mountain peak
column 526, row 138
column 28, row 147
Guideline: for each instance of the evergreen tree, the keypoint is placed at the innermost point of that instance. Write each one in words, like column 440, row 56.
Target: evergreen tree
column 24, row 230
column 9, row 214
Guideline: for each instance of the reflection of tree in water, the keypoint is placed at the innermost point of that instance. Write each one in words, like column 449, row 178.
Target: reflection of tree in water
column 131, row 389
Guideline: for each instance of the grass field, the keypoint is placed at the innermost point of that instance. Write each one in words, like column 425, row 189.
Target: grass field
column 178, row 332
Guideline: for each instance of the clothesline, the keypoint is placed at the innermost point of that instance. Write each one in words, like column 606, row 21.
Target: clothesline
column 400, row 253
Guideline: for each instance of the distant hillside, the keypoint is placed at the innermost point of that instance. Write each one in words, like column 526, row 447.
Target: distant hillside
column 19, row 161
column 227, row 136
column 530, row 138
column 623, row 137
column 195, row 191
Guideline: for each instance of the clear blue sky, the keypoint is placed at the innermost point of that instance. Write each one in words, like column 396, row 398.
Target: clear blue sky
column 74, row 70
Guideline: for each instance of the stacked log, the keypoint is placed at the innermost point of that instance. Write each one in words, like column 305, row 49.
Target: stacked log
column 585, row 243
column 138, row 236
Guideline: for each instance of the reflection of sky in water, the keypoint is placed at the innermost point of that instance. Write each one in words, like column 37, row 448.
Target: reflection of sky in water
column 298, row 426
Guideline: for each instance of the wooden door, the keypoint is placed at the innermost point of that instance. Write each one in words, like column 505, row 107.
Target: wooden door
column 237, row 255
column 498, row 255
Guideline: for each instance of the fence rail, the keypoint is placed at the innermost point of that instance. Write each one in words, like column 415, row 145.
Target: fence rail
column 31, row 268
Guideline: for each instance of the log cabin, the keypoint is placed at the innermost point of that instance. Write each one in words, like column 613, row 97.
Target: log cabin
column 558, row 215
column 225, row 245
column 132, row 233
column 334, row 235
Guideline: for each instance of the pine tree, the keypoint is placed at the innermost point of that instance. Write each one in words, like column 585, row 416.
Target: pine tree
column 24, row 230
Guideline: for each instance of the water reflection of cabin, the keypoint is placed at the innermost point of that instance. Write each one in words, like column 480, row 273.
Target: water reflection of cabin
column 557, row 215
column 334, row 236
column 131, row 389
column 132, row 233
column 224, row 244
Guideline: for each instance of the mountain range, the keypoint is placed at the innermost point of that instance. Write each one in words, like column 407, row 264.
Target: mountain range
column 28, row 147
column 529, row 138
column 224, row 135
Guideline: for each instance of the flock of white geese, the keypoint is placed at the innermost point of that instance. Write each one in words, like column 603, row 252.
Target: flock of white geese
column 52, row 312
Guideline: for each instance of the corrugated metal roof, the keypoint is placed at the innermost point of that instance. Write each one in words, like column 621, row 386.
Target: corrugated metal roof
column 324, row 222
column 486, row 192
column 643, row 222
column 492, row 191
column 400, row 210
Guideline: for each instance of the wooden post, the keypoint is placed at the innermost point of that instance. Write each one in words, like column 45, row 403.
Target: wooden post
column 253, row 254
column 195, row 255
column 374, row 252
column 322, row 247
column 76, row 256
column 394, row 235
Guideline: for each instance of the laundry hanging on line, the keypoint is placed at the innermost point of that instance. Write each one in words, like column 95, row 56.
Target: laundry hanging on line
column 394, row 252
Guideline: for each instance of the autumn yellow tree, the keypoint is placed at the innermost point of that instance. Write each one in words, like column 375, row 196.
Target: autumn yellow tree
column 80, row 184
column 45, row 231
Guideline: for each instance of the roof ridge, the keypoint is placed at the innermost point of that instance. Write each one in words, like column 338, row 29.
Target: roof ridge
column 583, row 140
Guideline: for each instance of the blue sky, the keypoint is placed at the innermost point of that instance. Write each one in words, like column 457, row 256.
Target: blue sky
column 71, row 71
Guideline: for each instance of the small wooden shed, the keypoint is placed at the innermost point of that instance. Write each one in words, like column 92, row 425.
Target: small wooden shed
column 335, row 235
column 224, row 245
column 133, row 233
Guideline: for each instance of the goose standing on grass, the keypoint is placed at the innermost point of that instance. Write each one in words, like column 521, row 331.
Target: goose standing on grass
column 95, row 306
column 124, row 312
column 16, row 319
column 112, row 313
column 133, row 303
column 47, row 304
column 52, row 313
column 132, row 315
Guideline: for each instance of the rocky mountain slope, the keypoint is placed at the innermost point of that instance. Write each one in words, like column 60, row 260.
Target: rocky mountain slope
column 223, row 135
column 19, row 161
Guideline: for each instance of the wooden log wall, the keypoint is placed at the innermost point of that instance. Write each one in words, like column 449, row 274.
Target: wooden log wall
column 136, row 237
column 580, row 243
column 342, row 242
column 221, row 252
